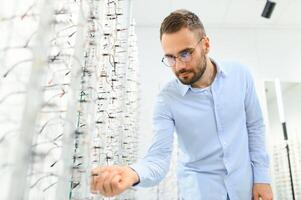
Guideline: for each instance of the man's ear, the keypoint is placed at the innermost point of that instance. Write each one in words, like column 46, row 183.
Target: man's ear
column 207, row 44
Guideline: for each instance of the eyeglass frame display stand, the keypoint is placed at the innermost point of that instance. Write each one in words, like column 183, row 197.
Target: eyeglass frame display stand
column 87, row 116
column 64, row 186
column 76, row 114
column 21, row 162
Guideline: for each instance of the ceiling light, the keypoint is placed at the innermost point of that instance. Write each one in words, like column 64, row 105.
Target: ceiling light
column 268, row 9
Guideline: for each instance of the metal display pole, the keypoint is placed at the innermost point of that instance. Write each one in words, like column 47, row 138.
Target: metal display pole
column 282, row 119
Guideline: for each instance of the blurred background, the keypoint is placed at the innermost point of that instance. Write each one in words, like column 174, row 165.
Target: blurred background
column 126, row 33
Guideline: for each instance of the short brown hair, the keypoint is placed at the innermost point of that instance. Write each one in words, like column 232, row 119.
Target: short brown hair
column 181, row 19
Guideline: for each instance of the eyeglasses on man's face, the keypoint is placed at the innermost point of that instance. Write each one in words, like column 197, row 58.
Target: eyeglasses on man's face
column 184, row 56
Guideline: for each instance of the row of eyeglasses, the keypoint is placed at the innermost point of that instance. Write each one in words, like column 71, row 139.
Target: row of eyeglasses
column 68, row 96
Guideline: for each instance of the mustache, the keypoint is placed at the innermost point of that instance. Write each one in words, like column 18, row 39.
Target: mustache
column 182, row 71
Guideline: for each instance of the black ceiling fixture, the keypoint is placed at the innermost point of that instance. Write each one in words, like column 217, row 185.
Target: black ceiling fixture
column 268, row 9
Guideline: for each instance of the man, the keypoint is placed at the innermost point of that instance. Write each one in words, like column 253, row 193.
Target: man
column 214, row 110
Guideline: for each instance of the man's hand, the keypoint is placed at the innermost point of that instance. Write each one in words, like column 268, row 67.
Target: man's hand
column 112, row 180
column 262, row 191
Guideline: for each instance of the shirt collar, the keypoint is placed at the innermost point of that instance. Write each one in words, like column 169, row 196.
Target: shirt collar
column 220, row 72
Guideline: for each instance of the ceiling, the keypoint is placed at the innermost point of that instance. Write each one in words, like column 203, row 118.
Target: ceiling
column 221, row 13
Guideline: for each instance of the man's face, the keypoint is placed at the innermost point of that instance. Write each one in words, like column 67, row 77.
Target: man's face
column 175, row 43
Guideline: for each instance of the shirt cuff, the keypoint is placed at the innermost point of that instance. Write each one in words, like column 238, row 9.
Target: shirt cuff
column 140, row 170
column 137, row 175
column 261, row 175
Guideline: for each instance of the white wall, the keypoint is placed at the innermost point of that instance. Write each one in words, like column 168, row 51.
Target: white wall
column 291, row 94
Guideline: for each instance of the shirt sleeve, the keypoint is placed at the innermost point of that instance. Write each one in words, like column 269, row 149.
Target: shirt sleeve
column 155, row 165
column 256, row 134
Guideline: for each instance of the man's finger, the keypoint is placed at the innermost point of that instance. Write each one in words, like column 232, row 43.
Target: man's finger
column 116, row 181
column 255, row 196
column 107, row 183
column 94, row 177
column 93, row 183
column 99, row 184
column 267, row 197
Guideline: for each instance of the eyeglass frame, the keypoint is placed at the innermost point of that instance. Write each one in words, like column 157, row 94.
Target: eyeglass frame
column 192, row 50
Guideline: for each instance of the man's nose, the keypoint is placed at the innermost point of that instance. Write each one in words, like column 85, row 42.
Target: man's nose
column 179, row 64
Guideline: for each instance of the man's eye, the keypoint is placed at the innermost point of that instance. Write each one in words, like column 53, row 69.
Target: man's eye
column 185, row 54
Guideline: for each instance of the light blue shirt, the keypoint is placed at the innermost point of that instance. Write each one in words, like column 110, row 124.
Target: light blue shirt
column 221, row 136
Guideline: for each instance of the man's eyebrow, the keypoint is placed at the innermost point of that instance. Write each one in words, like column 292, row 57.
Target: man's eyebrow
column 186, row 49
column 169, row 55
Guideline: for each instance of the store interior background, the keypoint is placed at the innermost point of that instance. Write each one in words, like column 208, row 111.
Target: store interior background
column 269, row 47
column 237, row 31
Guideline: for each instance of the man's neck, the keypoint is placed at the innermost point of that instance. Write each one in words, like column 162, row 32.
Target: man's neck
column 208, row 76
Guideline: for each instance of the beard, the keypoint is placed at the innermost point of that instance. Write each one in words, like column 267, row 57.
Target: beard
column 185, row 75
